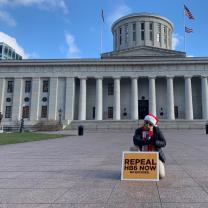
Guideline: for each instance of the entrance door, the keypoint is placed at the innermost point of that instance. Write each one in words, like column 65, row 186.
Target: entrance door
column 143, row 108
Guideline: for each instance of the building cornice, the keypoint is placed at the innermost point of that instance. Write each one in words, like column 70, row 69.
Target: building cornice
column 105, row 62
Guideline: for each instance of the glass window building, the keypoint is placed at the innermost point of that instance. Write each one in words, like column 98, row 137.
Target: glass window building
column 7, row 52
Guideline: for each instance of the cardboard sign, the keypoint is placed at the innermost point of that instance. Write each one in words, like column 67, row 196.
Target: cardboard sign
column 142, row 166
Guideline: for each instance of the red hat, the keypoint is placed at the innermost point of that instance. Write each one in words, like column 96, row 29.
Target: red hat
column 151, row 118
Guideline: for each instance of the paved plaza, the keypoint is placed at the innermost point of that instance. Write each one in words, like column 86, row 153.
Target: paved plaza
column 84, row 172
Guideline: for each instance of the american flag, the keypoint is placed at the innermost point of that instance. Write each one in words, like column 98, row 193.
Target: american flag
column 188, row 13
column 102, row 14
column 188, row 30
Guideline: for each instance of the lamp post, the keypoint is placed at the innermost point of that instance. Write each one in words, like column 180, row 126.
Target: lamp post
column 60, row 114
column 1, row 117
column 1, row 127
column 22, row 119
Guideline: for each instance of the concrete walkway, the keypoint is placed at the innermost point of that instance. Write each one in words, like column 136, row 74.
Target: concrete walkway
column 84, row 172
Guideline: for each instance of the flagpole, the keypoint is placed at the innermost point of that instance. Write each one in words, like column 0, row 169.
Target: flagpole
column 101, row 38
column 184, row 32
column 101, row 32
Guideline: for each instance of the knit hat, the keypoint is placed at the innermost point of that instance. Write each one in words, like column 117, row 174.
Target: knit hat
column 151, row 118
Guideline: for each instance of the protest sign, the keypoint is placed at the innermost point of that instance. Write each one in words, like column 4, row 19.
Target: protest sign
column 143, row 166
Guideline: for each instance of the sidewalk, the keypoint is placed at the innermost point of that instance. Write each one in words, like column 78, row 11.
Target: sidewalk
column 84, row 172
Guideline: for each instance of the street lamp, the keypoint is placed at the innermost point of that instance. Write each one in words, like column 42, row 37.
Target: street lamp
column 22, row 119
column 60, row 114
column 1, row 127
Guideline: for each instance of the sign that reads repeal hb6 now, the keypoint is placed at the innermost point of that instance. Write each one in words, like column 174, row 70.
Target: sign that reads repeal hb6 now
column 143, row 166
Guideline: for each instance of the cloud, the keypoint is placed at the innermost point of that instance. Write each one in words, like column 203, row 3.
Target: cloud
column 176, row 40
column 3, row 2
column 120, row 11
column 6, row 18
column 11, row 41
column 33, row 55
column 46, row 4
column 73, row 51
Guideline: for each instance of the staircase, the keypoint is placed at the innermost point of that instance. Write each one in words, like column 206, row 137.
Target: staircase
column 129, row 125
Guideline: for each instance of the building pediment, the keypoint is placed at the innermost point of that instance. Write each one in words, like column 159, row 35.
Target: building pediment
column 143, row 52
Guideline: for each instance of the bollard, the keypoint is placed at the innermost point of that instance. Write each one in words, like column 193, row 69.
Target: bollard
column 80, row 130
column 206, row 126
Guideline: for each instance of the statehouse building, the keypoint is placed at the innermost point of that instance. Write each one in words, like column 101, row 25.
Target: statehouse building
column 142, row 74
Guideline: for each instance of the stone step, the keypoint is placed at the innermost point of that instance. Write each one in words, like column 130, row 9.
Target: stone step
column 125, row 125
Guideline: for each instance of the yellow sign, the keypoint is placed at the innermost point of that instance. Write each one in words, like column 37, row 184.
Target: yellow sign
column 143, row 166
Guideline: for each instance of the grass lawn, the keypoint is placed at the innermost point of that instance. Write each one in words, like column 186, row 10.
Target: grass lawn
column 12, row 138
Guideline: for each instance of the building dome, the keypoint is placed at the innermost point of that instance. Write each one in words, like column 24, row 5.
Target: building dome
column 142, row 29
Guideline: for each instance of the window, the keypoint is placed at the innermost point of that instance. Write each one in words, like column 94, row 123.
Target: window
column 126, row 33
column 10, row 86
column 169, row 37
column 165, row 36
column 142, row 31
column 110, row 112
column 13, row 55
column 5, row 50
column 120, row 35
column 44, row 99
column 8, row 112
column 134, row 31
column 27, row 86
column 45, row 85
column 0, row 49
column 27, row 99
column 10, row 53
column 93, row 112
column 44, row 112
column 8, row 100
column 25, row 112
column 110, row 89
column 159, row 33
column 176, row 111
column 151, row 31
column 115, row 39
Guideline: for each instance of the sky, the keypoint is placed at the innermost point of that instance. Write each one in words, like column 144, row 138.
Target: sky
column 63, row 29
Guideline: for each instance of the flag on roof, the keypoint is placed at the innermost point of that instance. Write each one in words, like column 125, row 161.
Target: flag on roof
column 188, row 13
column 103, row 16
column 188, row 30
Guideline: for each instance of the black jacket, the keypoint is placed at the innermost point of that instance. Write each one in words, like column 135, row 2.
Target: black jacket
column 158, row 140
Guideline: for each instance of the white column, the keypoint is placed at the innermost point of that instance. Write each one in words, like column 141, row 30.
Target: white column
column 82, row 99
column 2, row 92
column 70, row 99
column 17, row 99
column 188, row 99
column 170, row 99
column 35, row 99
column 204, row 88
column 53, row 95
column 152, row 96
column 134, row 99
column 99, row 99
column 117, row 101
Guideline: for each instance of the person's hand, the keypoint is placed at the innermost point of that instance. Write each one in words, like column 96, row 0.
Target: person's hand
column 151, row 140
